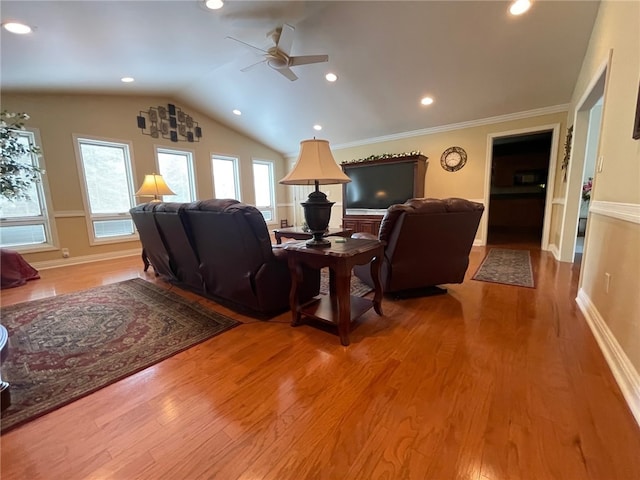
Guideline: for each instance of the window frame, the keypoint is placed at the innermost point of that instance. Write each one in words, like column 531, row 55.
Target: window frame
column 272, row 189
column 90, row 217
column 236, row 173
column 46, row 217
column 190, row 155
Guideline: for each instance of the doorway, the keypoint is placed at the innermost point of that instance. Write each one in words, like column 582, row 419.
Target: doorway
column 591, row 151
column 584, row 160
column 518, row 188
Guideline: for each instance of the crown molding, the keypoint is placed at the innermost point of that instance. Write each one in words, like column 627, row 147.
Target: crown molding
column 455, row 126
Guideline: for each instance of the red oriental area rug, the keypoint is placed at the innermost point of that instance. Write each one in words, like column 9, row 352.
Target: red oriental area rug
column 65, row 347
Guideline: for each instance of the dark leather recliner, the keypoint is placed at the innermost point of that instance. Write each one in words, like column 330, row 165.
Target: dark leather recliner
column 428, row 244
column 155, row 249
column 222, row 249
column 184, row 262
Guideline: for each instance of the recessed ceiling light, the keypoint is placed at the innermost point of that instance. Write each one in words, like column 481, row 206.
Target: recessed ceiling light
column 19, row 28
column 237, row 112
column 127, row 79
column 214, row 4
column 519, row 7
column 426, row 101
column 331, row 77
column 317, row 127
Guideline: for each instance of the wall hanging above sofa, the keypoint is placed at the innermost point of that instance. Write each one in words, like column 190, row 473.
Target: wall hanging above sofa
column 170, row 123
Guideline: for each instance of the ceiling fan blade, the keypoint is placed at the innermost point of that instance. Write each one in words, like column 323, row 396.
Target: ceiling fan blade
column 286, row 39
column 287, row 72
column 252, row 65
column 247, row 44
column 307, row 59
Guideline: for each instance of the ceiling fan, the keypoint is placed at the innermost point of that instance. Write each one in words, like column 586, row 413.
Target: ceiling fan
column 279, row 56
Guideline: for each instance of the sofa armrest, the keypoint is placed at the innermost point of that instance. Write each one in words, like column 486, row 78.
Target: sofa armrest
column 365, row 235
column 279, row 252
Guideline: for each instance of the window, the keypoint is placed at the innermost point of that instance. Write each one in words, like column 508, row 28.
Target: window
column 264, row 188
column 226, row 181
column 176, row 167
column 108, row 188
column 25, row 223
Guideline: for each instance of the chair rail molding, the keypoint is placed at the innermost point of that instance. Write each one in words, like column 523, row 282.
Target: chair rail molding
column 69, row 213
column 629, row 212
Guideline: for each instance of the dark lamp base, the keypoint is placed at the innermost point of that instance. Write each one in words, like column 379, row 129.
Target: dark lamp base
column 317, row 212
column 318, row 242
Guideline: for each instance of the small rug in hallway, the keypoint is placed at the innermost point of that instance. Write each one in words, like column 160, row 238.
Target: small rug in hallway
column 511, row 267
column 358, row 287
column 63, row 348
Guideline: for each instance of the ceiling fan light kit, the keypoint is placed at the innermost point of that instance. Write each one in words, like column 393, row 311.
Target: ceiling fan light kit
column 279, row 56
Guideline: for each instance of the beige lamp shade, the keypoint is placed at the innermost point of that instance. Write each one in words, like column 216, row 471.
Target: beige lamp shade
column 154, row 186
column 315, row 164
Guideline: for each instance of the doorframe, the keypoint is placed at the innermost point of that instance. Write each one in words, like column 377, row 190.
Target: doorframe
column 554, row 128
column 596, row 89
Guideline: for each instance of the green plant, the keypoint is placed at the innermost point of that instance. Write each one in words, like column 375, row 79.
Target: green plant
column 17, row 172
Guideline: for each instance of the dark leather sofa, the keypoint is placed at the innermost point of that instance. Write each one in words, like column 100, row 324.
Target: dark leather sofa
column 220, row 249
column 428, row 242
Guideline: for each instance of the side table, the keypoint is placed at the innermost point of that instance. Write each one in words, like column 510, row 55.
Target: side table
column 339, row 307
column 297, row 233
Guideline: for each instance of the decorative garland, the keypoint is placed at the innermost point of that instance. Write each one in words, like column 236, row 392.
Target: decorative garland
column 383, row 156
column 567, row 152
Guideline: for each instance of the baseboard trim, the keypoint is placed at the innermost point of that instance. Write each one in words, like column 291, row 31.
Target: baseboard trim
column 623, row 370
column 64, row 262
column 554, row 251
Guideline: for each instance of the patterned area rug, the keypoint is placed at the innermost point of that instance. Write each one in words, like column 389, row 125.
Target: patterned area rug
column 511, row 267
column 65, row 347
column 358, row 287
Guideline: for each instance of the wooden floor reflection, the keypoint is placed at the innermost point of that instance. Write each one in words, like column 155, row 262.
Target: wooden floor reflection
column 487, row 382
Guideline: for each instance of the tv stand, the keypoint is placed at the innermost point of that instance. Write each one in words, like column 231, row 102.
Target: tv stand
column 362, row 222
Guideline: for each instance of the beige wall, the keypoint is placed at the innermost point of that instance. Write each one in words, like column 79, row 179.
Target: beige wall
column 617, row 29
column 469, row 182
column 613, row 245
column 59, row 117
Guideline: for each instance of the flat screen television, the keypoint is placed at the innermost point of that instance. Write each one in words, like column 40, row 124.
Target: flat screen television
column 373, row 188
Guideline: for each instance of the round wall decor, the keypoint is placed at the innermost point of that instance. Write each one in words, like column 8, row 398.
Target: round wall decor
column 453, row 159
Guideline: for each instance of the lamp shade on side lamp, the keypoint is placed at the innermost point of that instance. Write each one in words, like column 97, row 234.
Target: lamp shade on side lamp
column 154, row 186
column 316, row 166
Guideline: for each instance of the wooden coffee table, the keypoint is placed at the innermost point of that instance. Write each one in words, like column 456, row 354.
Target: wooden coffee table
column 297, row 233
column 339, row 307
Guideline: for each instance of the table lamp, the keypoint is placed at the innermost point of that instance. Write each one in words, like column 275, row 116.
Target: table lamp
column 316, row 166
column 154, row 186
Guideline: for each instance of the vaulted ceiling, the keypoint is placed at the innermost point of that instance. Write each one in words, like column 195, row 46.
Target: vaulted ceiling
column 474, row 58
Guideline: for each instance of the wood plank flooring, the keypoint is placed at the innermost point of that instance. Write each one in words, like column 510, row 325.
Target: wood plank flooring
column 488, row 382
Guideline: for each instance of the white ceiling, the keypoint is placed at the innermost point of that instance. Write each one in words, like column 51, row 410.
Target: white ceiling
column 475, row 59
